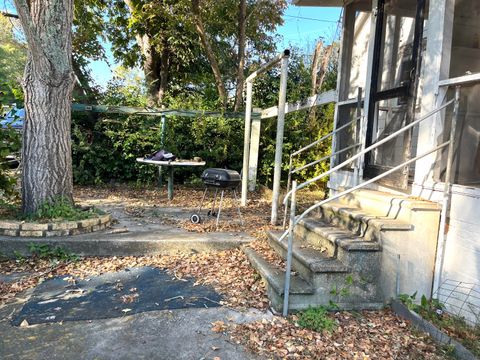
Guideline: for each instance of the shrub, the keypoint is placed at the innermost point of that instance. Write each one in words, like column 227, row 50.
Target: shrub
column 317, row 319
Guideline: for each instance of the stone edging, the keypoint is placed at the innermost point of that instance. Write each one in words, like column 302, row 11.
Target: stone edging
column 24, row 229
column 461, row 351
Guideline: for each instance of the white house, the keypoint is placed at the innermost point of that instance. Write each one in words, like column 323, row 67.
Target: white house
column 407, row 57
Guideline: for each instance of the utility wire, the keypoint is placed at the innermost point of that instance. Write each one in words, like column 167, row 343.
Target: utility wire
column 313, row 19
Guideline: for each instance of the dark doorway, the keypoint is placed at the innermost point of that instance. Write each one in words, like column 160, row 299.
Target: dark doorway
column 395, row 78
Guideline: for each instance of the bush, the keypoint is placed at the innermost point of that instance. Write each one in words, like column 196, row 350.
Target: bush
column 105, row 146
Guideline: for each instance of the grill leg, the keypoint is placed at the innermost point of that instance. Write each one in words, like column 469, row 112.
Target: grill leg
column 203, row 199
column 219, row 210
column 238, row 207
column 212, row 211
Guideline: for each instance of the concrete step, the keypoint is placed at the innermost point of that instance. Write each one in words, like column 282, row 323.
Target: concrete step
column 347, row 291
column 379, row 203
column 359, row 255
column 360, row 222
column 310, row 263
column 275, row 282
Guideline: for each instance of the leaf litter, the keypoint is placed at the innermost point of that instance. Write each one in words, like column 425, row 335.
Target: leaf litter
column 365, row 335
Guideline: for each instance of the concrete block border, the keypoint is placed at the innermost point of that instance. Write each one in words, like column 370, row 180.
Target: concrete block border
column 25, row 229
column 461, row 351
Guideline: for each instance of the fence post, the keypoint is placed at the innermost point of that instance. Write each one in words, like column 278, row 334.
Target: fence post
column 279, row 141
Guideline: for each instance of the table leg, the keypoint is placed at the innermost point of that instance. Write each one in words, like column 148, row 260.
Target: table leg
column 160, row 176
column 170, row 182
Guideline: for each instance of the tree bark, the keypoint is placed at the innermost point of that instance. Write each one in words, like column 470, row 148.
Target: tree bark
column 152, row 64
column 151, row 68
column 48, row 84
column 324, row 66
column 209, row 52
column 164, row 67
column 315, row 63
column 242, row 22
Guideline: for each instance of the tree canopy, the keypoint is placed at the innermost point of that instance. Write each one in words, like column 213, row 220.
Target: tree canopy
column 13, row 54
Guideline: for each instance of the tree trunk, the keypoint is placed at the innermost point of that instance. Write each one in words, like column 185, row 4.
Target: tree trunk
column 164, row 67
column 151, row 64
column 312, row 114
column 48, row 84
column 209, row 52
column 151, row 68
column 242, row 20
column 315, row 63
column 324, row 66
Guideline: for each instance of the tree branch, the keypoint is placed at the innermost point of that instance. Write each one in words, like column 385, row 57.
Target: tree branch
column 7, row 14
column 242, row 23
column 209, row 52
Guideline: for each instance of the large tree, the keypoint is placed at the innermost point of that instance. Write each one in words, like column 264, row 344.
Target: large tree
column 200, row 44
column 47, row 84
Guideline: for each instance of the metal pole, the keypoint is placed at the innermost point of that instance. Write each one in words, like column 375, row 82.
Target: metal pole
column 268, row 66
column 246, row 142
column 219, row 210
column 357, row 164
column 279, row 141
column 443, row 231
column 162, row 144
column 289, row 181
column 286, row 291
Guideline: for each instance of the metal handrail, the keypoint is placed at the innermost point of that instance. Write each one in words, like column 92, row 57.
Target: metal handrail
column 294, row 171
column 295, row 220
column 330, row 134
column 369, row 148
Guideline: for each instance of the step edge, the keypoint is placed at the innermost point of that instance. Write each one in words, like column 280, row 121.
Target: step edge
column 380, row 223
column 348, row 242
column 267, row 271
column 326, row 265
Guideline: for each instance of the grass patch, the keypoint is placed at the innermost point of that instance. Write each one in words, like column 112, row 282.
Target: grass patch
column 59, row 210
column 316, row 319
column 57, row 253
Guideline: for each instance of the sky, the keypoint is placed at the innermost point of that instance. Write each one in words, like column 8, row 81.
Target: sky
column 302, row 27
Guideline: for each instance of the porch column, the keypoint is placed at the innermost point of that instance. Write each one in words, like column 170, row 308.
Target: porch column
column 436, row 68
column 368, row 85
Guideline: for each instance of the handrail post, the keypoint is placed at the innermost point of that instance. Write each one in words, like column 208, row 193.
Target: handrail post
column 288, row 269
column 246, row 142
column 356, row 136
column 277, row 173
column 443, row 231
column 289, row 181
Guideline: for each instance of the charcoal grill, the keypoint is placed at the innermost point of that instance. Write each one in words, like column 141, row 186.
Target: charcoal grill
column 219, row 180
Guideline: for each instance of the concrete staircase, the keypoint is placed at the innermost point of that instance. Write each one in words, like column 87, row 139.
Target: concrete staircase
column 338, row 252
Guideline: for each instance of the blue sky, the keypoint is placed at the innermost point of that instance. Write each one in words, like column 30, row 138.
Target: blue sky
column 302, row 27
